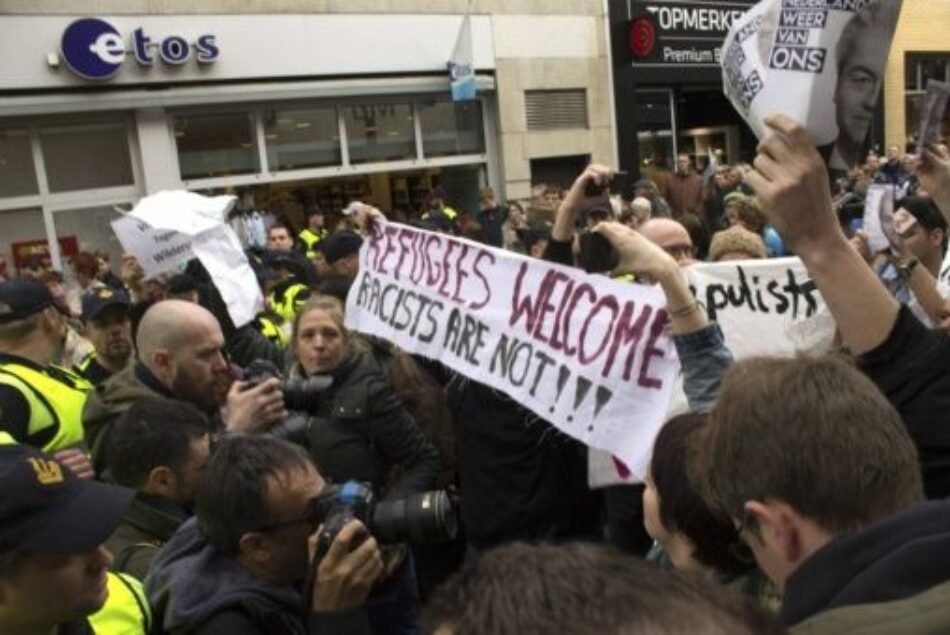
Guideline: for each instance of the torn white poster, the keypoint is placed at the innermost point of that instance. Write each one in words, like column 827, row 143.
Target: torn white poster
column 821, row 62
column 167, row 229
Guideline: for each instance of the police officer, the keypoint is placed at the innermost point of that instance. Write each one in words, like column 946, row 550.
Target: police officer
column 41, row 404
column 53, row 568
column 106, row 317
column 289, row 292
column 315, row 231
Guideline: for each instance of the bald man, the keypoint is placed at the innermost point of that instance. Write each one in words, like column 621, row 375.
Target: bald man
column 672, row 236
column 181, row 356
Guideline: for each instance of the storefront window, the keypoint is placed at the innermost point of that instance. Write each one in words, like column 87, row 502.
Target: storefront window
column 451, row 127
column 92, row 230
column 297, row 139
column 23, row 235
column 379, row 132
column 215, row 145
column 17, row 176
column 86, row 156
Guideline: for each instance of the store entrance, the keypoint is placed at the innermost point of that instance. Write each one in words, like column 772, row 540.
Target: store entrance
column 400, row 195
column 697, row 120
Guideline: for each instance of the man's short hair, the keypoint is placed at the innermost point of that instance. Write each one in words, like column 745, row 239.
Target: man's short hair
column 232, row 496
column 814, row 433
column 878, row 14
column 583, row 589
column 153, row 432
column 927, row 214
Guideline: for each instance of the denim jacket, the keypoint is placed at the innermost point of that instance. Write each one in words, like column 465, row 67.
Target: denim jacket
column 704, row 358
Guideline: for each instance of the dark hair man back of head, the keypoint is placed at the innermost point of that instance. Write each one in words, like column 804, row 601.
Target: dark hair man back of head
column 581, row 589
column 160, row 446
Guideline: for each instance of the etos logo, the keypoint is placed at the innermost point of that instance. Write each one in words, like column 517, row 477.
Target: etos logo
column 94, row 49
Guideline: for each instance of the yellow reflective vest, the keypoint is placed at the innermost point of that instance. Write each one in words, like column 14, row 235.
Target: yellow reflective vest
column 271, row 329
column 55, row 397
column 286, row 302
column 311, row 240
column 126, row 610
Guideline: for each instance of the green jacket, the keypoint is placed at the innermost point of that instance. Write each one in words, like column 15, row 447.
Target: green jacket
column 926, row 613
column 105, row 403
column 148, row 523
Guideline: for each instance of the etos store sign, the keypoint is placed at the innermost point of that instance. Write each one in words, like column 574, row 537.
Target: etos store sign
column 671, row 33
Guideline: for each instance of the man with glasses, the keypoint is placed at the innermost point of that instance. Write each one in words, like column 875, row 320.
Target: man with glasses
column 239, row 567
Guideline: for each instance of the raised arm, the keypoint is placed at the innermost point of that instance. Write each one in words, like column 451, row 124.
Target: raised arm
column 791, row 181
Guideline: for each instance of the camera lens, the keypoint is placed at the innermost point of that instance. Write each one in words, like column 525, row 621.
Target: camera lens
column 418, row 519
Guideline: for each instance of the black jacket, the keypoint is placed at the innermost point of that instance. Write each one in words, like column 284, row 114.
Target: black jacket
column 912, row 368
column 193, row 588
column 360, row 430
column 894, row 559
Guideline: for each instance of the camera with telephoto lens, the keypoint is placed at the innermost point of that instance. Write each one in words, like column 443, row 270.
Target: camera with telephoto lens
column 423, row 518
column 300, row 394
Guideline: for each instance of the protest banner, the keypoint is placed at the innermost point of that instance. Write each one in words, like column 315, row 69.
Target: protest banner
column 167, row 229
column 589, row 354
column 821, row 62
column 764, row 307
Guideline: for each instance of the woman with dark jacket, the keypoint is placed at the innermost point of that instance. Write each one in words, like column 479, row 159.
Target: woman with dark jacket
column 359, row 430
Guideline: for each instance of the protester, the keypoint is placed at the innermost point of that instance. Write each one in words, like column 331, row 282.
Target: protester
column 491, row 216
column 85, row 270
column 342, row 253
column 159, row 448
column 672, row 237
column 579, row 589
column 105, row 273
column 515, row 221
column 239, row 568
column 645, row 188
column 745, row 211
column 53, row 567
column 684, row 190
column 183, row 286
column 40, row 403
column 736, row 243
column 181, row 356
column 106, row 315
column 832, row 510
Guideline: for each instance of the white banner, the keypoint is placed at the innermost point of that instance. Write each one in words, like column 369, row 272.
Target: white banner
column 588, row 354
column 167, row 229
column 821, row 62
column 764, row 307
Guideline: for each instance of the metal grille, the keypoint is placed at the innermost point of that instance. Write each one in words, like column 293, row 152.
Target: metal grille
column 556, row 109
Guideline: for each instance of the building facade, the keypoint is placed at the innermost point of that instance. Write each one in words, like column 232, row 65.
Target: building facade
column 921, row 51
column 287, row 103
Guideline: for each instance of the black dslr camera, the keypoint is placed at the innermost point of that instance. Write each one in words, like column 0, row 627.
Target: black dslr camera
column 422, row 518
column 300, row 394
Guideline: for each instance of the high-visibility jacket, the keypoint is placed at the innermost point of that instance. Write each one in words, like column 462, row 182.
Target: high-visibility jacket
column 55, row 397
column 286, row 301
column 270, row 327
column 311, row 240
column 126, row 610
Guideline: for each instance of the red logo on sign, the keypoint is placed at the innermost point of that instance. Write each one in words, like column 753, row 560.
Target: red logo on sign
column 642, row 37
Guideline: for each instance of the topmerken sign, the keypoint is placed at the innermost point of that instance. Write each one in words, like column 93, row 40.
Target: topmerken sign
column 672, row 33
column 95, row 50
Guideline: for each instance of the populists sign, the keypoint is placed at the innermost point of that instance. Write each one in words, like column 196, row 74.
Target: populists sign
column 589, row 354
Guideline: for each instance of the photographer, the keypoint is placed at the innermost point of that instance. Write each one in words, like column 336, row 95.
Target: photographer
column 360, row 430
column 237, row 568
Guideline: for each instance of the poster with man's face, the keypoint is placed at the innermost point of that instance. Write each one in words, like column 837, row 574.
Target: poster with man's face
column 820, row 62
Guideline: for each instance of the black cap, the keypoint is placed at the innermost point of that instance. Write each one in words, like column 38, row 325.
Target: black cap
column 46, row 509
column 21, row 297
column 339, row 245
column 97, row 300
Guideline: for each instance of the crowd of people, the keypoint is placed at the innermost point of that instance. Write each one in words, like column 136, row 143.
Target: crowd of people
column 167, row 471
